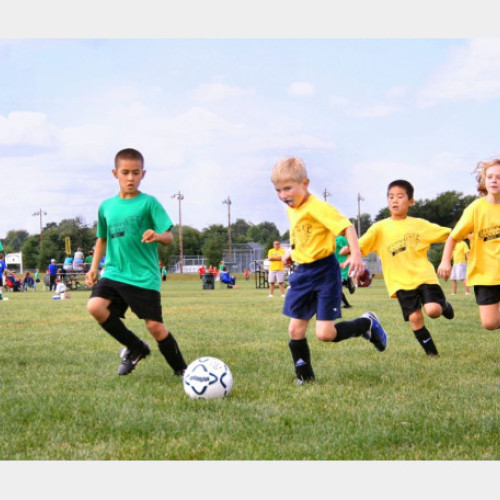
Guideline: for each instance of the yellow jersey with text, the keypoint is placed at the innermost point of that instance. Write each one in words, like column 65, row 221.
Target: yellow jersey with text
column 482, row 219
column 276, row 265
column 313, row 229
column 402, row 246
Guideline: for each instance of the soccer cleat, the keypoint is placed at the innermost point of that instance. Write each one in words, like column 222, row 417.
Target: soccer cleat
column 131, row 358
column 350, row 285
column 179, row 373
column 375, row 334
column 448, row 311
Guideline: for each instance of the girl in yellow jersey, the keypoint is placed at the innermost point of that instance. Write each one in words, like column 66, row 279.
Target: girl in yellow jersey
column 482, row 219
column 402, row 243
column 316, row 284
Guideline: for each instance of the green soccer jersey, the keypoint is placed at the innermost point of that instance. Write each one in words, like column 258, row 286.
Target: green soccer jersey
column 122, row 222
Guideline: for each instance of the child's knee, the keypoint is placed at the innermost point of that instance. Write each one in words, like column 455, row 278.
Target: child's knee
column 156, row 329
column 490, row 323
column 97, row 309
column 433, row 310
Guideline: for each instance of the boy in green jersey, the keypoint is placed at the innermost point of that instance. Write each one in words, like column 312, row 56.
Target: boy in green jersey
column 129, row 228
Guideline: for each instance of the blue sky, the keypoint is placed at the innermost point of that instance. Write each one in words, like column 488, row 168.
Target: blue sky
column 212, row 116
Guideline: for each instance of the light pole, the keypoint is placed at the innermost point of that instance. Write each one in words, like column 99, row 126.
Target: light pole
column 40, row 213
column 227, row 202
column 180, row 197
column 326, row 194
column 360, row 199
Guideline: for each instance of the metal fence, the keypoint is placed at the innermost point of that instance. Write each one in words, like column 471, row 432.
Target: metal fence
column 240, row 258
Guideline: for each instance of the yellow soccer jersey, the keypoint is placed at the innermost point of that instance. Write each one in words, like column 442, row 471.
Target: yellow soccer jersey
column 481, row 218
column 313, row 228
column 459, row 252
column 402, row 246
column 276, row 265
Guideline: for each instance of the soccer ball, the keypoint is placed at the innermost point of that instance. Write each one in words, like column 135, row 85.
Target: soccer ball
column 207, row 378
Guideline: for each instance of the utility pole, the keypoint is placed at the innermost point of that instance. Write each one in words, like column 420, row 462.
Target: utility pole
column 40, row 213
column 180, row 197
column 227, row 202
column 326, row 194
column 360, row 199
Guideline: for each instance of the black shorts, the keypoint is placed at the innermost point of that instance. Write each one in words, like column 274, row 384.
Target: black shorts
column 487, row 294
column 144, row 303
column 413, row 300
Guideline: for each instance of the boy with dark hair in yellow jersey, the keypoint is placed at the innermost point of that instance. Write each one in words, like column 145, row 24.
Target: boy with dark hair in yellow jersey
column 402, row 243
column 316, row 283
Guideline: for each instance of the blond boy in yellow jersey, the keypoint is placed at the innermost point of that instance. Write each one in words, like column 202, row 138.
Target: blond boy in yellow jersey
column 316, row 283
column 482, row 219
column 402, row 243
column 459, row 269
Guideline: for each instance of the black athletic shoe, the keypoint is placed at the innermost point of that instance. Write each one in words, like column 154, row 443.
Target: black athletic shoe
column 131, row 358
column 179, row 373
column 448, row 311
column 350, row 285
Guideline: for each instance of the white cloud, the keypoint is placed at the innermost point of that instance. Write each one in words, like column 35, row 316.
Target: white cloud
column 473, row 73
column 27, row 129
column 301, row 89
column 212, row 92
column 373, row 110
column 356, row 110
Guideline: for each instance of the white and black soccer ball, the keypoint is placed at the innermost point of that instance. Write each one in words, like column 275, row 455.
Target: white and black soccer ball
column 207, row 378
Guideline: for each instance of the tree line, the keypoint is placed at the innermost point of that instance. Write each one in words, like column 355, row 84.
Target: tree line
column 212, row 242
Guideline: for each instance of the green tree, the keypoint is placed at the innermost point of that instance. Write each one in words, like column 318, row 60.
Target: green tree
column 191, row 245
column 214, row 243
column 264, row 233
column 14, row 240
column 51, row 248
column 239, row 231
column 213, row 249
column 31, row 252
column 365, row 221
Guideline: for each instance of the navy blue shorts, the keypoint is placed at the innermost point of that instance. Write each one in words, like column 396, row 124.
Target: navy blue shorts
column 315, row 288
column 144, row 303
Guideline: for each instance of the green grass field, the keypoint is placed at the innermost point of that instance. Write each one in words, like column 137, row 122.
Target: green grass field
column 63, row 400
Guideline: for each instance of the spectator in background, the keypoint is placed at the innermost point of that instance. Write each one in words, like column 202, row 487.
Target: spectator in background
column 78, row 261
column 88, row 260
column 459, row 270
column 53, row 268
column 201, row 271
column 28, row 281
column 227, row 278
column 68, row 264
column 276, row 269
